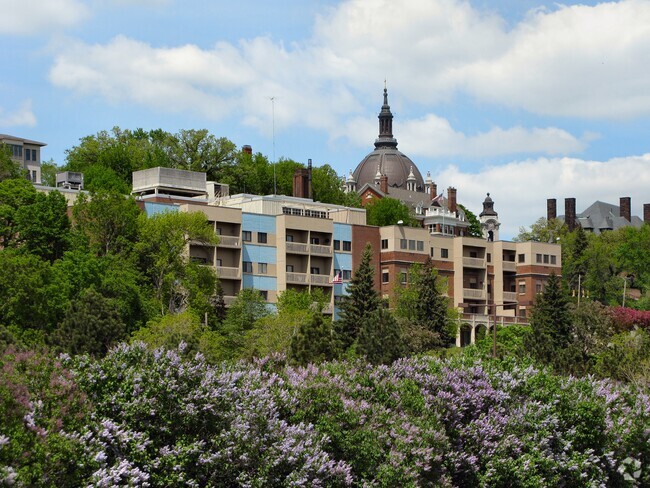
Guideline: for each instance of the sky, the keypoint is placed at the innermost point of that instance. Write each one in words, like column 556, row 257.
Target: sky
column 524, row 99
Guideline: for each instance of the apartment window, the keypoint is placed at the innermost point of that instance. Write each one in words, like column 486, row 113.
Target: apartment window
column 420, row 245
column 384, row 243
column 34, row 154
column 34, row 176
column 219, row 231
column 473, row 254
column 522, row 258
column 28, row 154
column 431, row 252
column 553, row 259
column 347, row 274
column 347, row 246
column 247, row 266
column 16, row 151
column 411, row 245
column 262, row 237
column 402, row 277
column 262, row 268
column 314, row 240
column 546, row 258
column 289, row 238
column 522, row 287
column 403, row 243
column 219, row 262
column 384, row 276
column 538, row 287
column 314, row 270
column 265, row 295
column 246, row 236
column 489, row 257
column 289, row 268
column 337, row 245
column 444, row 253
column 538, row 258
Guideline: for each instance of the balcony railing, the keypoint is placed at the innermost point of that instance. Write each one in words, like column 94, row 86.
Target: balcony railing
column 474, row 262
column 509, row 266
column 509, row 296
column 229, row 241
column 228, row 273
column 487, row 319
column 324, row 250
column 298, row 247
column 472, row 293
column 229, row 300
column 297, row 278
column 328, row 309
column 321, row 280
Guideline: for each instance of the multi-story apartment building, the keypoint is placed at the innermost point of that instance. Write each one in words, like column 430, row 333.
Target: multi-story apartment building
column 274, row 243
column 27, row 153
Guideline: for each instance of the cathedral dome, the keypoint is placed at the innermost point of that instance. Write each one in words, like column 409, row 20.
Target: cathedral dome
column 386, row 159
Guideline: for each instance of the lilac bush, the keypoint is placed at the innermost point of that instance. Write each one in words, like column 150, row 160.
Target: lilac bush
column 157, row 420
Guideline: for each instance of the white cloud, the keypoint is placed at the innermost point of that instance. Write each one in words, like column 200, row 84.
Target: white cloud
column 21, row 117
column 29, row 17
column 577, row 61
column 520, row 189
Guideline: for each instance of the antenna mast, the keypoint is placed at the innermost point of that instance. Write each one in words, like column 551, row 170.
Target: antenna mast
column 275, row 186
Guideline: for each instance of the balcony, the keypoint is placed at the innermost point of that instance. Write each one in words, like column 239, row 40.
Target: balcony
column 474, row 294
column 328, row 309
column 474, row 262
column 297, row 248
column 509, row 296
column 297, row 278
column 229, row 300
column 509, row 266
column 228, row 273
column 229, row 241
column 322, row 250
column 320, row 280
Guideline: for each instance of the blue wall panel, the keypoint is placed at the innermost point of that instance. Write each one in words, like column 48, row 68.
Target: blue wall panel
column 342, row 232
column 260, row 282
column 153, row 208
column 258, row 223
column 259, row 254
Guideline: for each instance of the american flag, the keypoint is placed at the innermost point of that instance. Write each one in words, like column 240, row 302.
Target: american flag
column 337, row 278
column 437, row 199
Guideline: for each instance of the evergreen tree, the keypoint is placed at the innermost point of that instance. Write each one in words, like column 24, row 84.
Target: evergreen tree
column 362, row 300
column 550, row 324
column 314, row 342
column 92, row 325
column 576, row 263
column 380, row 337
column 431, row 306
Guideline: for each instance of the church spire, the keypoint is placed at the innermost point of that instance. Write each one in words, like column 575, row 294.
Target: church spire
column 385, row 124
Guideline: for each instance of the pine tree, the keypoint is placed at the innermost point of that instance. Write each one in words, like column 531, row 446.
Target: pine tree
column 576, row 264
column 362, row 299
column 431, row 306
column 380, row 338
column 314, row 342
column 550, row 323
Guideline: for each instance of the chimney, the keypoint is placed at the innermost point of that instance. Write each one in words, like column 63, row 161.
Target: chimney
column 383, row 183
column 247, row 149
column 309, row 192
column 451, row 199
column 301, row 183
column 646, row 213
column 551, row 209
column 570, row 213
column 626, row 208
column 433, row 191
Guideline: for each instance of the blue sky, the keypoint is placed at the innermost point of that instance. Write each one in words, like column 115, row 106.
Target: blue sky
column 524, row 99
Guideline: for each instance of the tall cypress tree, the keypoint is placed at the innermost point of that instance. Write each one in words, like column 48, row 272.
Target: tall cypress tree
column 550, row 323
column 362, row 299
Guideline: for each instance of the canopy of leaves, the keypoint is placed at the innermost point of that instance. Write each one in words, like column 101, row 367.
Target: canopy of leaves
column 474, row 229
column 388, row 211
column 543, row 231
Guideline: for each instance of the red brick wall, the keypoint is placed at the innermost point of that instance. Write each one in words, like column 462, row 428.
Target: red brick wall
column 361, row 235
